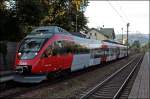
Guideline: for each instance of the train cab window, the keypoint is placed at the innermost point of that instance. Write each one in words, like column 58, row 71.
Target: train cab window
column 31, row 44
column 30, row 47
column 48, row 52
column 55, row 49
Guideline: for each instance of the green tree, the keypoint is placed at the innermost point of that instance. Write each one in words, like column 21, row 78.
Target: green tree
column 19, row 16
column 136, row 46
column 63, row 13
column 146, row 47
column 9, row 25
column 30, row 12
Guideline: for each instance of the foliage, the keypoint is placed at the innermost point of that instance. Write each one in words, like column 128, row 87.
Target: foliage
column 19, row 16
column 10, row 27
column 63, row 13
column 146, row 47
column 136, row 46
column 30, row 12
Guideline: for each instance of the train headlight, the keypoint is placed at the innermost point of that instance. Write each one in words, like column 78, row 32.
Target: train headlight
column 36, row 53
column 19, row 55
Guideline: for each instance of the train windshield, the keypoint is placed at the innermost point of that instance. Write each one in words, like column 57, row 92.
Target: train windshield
column 29, row 47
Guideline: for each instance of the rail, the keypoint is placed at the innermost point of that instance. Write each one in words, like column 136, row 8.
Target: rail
column 109, row 79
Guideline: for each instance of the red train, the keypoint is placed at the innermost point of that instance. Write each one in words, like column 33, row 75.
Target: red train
column 51, row 49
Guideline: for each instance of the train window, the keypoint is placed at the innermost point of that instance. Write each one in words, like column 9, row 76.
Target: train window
column 55, row 49
column 57, row 44
column 81, row 49
column 106, row 51
column 115, row 50
column 31, row 44
column 29, row 47
column 48, row 52
column 111, row 52
column 76, row 48
column 58, row 48
column 98, row 53
column 69, row 46
column 66, row 47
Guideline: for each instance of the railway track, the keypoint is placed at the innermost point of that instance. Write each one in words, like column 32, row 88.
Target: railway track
column 112, row 86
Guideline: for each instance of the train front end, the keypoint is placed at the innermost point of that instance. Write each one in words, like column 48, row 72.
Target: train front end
column 28, row 67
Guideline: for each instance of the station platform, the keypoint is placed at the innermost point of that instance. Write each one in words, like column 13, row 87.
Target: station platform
column 6, row 76
column 141, row 86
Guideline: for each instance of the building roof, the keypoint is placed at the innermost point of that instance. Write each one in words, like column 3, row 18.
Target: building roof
column 98, row 31
column 109, row 32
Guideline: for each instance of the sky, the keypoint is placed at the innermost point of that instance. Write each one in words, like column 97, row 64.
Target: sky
column 116, row 14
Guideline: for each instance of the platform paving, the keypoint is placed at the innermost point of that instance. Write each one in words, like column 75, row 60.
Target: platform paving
column 141, row 86
column 6, row 76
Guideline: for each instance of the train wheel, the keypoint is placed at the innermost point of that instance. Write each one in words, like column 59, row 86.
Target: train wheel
column 60, row 73
column 53, row 74
column 66, row 72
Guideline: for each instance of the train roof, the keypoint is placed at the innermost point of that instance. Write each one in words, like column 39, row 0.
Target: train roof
column 47, row 31
column 113, row 41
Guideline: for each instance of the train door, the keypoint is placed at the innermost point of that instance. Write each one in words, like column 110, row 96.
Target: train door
column 91, row 57
column 46, row 60
column 52, row 60
column 67, row 55
column 117, row 52
column 62, row 55
column 58, row 55
column 104, row 58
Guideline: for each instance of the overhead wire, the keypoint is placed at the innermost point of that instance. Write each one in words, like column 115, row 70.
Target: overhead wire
column 122, row 16
column 121, row 10
column 116, row 11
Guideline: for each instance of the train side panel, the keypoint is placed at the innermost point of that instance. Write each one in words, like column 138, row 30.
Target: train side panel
column 80, row 61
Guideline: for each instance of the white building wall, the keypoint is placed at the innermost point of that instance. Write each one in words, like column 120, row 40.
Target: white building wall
column 96, row 35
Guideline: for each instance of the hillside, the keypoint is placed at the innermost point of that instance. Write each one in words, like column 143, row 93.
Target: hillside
column 143, row 38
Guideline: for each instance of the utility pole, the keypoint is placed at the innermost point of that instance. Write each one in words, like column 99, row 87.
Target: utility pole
column 122, row 35
column 127, row 36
